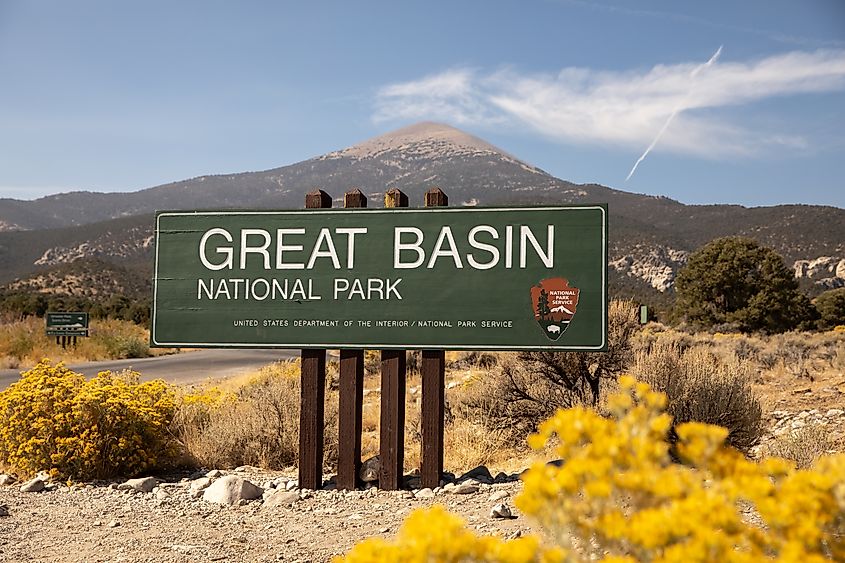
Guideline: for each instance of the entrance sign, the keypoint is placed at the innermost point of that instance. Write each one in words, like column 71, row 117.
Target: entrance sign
column 67, row 324
column 521, row 278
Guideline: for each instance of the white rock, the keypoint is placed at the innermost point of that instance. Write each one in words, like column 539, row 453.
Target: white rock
column 831, row 413
column 424, row 493
column 114, row 524
column 501, row 511
column 215, row 474
column 199, row 485
column 499, row 495
column 291, row 485
column 6, row 479
column 35, row 485
column 230, row 489
column 144, row 484
column 465, row 489
column 162, row 494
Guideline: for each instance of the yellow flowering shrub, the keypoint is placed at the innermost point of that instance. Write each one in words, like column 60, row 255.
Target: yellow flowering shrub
column 53, row 419
column 618, row 496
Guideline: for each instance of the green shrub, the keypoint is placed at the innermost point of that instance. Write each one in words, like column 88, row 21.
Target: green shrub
column 53, row 419
column 831, row 308
column 123, row 346
column 734, row 282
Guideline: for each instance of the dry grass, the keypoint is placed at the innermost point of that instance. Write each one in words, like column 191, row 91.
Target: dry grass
column 803, row 446
column 257, row 423
column 23, row 343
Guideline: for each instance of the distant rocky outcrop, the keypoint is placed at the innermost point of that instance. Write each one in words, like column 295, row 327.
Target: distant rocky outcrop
column 656, row 266
column 825, row 271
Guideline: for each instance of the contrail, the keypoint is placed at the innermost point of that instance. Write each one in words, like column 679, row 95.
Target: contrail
column 675, row 112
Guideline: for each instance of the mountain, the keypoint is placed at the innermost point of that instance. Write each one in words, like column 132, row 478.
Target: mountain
column 650, row 237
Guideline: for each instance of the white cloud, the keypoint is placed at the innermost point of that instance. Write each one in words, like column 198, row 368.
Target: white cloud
column 581, row 105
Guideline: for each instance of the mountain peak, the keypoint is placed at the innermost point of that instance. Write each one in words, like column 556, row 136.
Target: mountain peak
column 436, row 139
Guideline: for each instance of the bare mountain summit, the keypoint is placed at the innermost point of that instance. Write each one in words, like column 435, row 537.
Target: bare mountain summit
column 426, row 139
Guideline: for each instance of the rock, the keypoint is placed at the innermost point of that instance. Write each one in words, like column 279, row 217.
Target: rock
column 831, row 413
column 480, row 473
column 114, row 524
column 449, row 487
column 501, row 511
column 162, row 494
column 215, row 474
column 200, row 484
column 370, row 470
column 499, row 495
column 291, row 485
column 230, row 489
column 4, row 510
column 33, row 486
column 424, row 493
column 281, row 498
column 144, row 484
column 6, row 479
column 465, row 489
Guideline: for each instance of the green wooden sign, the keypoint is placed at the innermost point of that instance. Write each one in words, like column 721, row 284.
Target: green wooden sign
column 530, row 278
column 67, row 324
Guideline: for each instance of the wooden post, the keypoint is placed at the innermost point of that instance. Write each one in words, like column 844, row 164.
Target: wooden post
column 351, row 395
column 392, row 432
column 312, row 394
column 433, row 373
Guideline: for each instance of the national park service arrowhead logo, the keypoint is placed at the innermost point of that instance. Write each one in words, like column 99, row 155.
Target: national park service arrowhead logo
column 554, row 302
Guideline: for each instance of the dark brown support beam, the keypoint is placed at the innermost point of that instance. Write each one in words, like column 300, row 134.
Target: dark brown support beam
column 351, row 395
column 432, row 416
column 392, row 432
column 312, row 394
column 433, row 392
column 392, row 438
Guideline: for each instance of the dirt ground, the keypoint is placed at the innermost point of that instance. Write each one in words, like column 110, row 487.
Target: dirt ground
column 96, row 523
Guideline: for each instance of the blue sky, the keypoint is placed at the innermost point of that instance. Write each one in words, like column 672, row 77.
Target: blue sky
column 118, row 96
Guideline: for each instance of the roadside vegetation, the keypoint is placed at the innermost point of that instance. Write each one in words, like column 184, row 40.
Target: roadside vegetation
column 23, row 343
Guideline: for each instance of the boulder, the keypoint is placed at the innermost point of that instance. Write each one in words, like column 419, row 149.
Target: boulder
column 230, row 489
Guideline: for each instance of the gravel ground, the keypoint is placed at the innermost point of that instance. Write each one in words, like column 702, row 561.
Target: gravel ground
column 99, row 522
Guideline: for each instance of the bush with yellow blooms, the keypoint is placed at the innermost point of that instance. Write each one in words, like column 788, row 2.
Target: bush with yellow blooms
column 54, row 419
column 619, row 497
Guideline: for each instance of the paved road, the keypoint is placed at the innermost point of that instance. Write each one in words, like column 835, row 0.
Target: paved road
column 184, row 368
